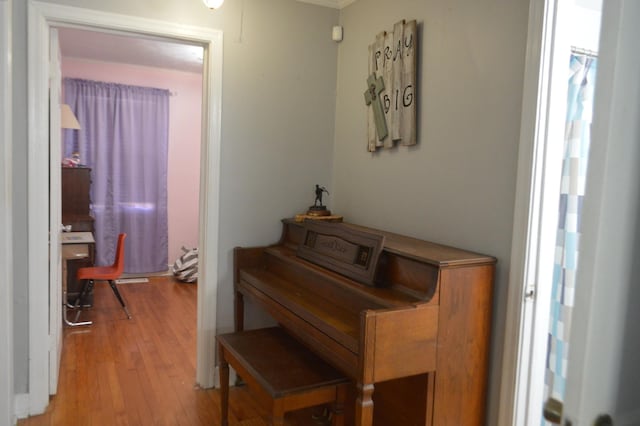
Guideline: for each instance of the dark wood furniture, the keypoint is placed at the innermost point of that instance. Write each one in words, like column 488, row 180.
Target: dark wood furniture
column 415, row 344
column 281, row 373
column 75, row 186
column 78, row 251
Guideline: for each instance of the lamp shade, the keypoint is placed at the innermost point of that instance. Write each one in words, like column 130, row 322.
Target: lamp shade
column 68, row 119
column 213, row 4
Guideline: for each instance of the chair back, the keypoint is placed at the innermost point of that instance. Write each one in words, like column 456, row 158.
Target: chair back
column 118, row 263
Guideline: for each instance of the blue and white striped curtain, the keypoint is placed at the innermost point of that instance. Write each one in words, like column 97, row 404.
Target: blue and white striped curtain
column 582, row 73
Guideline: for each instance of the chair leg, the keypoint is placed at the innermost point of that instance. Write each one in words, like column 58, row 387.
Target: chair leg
column 86, row 289
column 66, row 305
column 112, row 283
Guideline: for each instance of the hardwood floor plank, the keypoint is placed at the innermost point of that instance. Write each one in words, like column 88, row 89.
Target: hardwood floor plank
column 141, row 371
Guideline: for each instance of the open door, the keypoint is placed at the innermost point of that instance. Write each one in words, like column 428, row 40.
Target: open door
column 55, row 213
column 603, row 380
column 602, row 368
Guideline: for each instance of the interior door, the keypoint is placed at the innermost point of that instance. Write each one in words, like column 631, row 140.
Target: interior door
column 55, row 213
column 603, row 380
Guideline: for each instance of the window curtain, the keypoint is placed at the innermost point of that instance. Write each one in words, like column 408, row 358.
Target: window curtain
column 124, row 140
column 582, row 74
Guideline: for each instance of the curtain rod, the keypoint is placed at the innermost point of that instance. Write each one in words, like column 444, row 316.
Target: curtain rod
column 581, row 51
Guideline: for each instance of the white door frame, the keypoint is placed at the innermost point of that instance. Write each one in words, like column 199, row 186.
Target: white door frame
column 536, row 212
column 6, row 232
column 42, row 17
column 55, row 211
column 526, row 224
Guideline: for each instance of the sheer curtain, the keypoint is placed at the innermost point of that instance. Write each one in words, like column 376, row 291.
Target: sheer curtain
column 124, row 139
column 582, row 73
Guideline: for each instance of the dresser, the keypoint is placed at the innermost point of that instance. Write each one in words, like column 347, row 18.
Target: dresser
column 76, row 201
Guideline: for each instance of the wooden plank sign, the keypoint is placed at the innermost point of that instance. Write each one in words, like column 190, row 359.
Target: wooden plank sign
column 393, row 57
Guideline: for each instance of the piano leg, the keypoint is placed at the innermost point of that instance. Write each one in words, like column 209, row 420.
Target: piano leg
column 239, row 311
column 364, row 405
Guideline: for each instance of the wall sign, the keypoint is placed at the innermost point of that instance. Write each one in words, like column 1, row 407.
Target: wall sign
column 391, row 87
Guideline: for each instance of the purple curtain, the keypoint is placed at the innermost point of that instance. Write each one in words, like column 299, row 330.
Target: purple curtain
column 124, row 139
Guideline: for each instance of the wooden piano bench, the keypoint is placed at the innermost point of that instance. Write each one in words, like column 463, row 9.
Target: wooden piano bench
column 281, row 373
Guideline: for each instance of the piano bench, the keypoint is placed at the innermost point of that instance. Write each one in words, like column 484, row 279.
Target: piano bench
column 281, row 373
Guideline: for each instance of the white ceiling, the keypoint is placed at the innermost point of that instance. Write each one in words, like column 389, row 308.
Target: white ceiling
column 135, row 50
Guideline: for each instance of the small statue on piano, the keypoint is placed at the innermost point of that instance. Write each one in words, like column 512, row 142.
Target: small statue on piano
column 318, row 209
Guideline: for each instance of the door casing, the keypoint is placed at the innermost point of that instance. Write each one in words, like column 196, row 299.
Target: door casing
column 42, row 17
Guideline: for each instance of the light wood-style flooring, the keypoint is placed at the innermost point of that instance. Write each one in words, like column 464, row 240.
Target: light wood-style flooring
column 141, row 371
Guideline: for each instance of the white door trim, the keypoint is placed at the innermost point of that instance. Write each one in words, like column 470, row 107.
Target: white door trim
column 527, row 216
column 6, row 233
column 43, row 16
column 55, row 212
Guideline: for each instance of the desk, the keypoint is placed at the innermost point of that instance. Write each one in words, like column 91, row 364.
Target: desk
column 78, row 251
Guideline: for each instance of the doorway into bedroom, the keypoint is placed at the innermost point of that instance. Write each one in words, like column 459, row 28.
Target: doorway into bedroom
column 138, row 104
column 138, row 101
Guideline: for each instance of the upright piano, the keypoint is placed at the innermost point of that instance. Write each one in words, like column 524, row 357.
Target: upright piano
column 407, row 320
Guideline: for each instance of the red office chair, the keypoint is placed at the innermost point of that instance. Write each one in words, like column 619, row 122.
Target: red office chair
column 107, row 273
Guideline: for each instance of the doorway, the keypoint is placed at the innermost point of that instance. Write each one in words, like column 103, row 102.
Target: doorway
column 126, row 62
column 42, row 18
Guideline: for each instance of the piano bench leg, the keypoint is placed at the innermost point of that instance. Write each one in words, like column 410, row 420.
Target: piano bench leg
column 276, row 420
column 337, row 415
column 224, row 388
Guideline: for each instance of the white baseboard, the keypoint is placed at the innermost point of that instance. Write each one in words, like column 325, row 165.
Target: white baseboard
column 21, row 405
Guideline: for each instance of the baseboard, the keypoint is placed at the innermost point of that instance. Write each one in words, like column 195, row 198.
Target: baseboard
column 21, row 405
column 149, row 274
column 629, row 418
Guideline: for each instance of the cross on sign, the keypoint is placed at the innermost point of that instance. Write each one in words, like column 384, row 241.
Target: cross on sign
column 372, row 97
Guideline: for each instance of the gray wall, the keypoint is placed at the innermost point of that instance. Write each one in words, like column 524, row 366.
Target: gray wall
column 277, row 124
column 457, row 186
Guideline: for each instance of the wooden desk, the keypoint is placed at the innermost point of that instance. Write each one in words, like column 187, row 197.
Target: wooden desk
column 78, row 251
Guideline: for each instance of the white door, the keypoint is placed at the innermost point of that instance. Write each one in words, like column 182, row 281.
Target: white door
column 604, row 362
column 603, row 373
column 55, row 215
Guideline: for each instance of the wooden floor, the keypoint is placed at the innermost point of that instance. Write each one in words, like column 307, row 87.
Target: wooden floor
column 141, row 371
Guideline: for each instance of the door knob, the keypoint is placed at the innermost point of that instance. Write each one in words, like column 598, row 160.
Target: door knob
column 604, row 420
column 552, row 411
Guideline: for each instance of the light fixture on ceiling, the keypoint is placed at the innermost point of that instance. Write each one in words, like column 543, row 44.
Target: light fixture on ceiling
column 213, row 4
column 68, row 119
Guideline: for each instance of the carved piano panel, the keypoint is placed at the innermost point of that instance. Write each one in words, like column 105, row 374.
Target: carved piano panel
column 414, row 339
